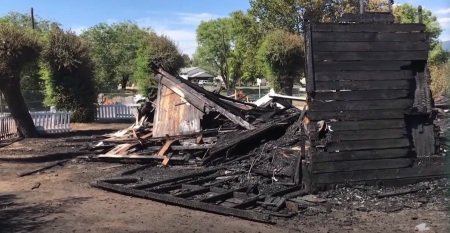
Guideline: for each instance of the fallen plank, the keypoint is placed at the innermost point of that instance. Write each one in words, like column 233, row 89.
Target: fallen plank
column 250, row 215
column 135, row 156
column 400, row 192
column 362, row 165
column 360, row 155
column 48, row 166
column 188, row 176
column 166, row 146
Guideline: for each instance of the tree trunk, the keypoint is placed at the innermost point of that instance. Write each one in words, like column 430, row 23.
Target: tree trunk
column 288, row 86
column 18, row 108
column 124, row 81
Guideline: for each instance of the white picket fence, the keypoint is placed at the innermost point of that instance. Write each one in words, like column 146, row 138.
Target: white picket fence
column 59, row 121
column 117, row 111
column 50, row 122
column 7, row 127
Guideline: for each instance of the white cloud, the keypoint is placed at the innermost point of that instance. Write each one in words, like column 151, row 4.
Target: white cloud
column 184, row 38
column 180, row 27
column 443, row 11
column 78, row 29
column 111, row 21
column 194, row 19
column 444, row 20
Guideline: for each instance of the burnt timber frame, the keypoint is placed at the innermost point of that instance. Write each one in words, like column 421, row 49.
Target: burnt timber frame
column 200, row 99
column 366, row 79
column 187, row 190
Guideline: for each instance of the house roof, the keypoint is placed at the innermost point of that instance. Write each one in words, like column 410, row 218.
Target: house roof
column 195, row 72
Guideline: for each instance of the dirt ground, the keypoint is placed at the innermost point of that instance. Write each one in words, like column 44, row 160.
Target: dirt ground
column 61, row 200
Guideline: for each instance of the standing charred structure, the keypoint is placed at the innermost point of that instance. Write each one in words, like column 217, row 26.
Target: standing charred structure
column 370, row 107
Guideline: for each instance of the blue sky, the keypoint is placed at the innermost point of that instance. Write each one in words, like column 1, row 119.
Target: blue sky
column 175, row 18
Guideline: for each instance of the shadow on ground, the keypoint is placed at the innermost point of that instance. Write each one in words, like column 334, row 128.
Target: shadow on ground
column 45, row 158
column 16, row 216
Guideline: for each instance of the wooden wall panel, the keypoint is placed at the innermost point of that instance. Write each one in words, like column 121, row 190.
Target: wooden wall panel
column 174, row 116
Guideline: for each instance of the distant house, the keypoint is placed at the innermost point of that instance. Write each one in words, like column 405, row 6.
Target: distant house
column 195, row 74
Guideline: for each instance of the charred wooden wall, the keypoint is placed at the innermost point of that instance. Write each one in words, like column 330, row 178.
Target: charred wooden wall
column 362, row 82
column 174, row 115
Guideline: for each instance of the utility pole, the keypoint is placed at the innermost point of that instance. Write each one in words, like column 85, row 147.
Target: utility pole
column 32, row 18
column 361, row 6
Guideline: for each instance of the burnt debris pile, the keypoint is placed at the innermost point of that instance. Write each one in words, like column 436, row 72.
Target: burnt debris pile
column 369, row 123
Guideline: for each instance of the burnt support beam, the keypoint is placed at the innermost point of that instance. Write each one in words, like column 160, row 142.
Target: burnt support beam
column 254, row 216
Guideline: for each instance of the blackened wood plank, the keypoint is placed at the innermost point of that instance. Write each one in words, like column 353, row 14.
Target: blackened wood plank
column 367, row 125
column 310, row 86
column 329, row 27
column 362, row 65
column 357, row 115
column 372, row 17
column 367, row 135
column 360, row 155
column 371, row 56
column 368, row 36
column 364, row 85
column 360, row 105
column 361, row 165
column 367, row 145
column 385, row 174
column 361, row 95
column 370, row 46
column 364, row 75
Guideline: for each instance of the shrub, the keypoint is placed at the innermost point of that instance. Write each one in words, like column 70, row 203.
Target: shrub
column 68, row 73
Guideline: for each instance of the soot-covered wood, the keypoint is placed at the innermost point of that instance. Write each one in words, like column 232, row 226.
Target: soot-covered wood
column 362, row 65
column 328, row 27
column 371, row 37
column 371, row 56
column 394, row 46
column 358, row 115
column 361, row 155
column 322, row 76
column 360, row 105
column 361, row 95
column 361, row 165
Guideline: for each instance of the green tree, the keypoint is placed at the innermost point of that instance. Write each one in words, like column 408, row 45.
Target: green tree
column 228, row 46
column 214, row 46
column 281, row 54
column 18, row 48
column 161, row 50
column 187, row 60
column 114, row 51
column 24, row 21
column 68, row 73
column 30, row 79
column 406, row 13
